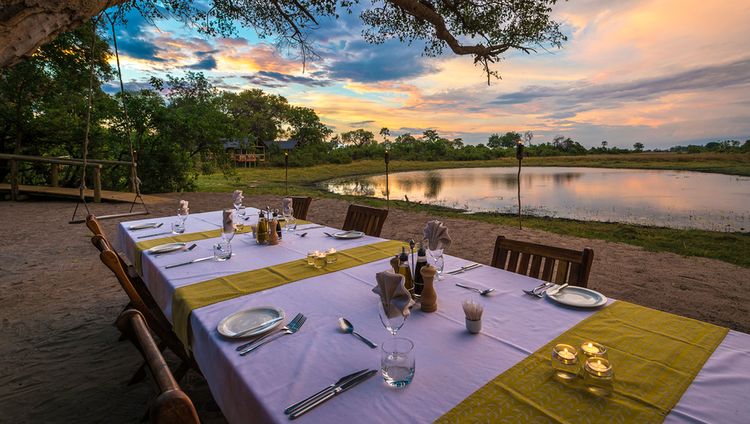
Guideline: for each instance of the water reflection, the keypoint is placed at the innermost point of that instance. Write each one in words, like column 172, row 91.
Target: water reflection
column 665, row 198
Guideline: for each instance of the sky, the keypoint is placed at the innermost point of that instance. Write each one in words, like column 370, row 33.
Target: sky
column 659, row 72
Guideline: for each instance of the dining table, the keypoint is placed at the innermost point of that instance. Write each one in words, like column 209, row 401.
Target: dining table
column 455, row 371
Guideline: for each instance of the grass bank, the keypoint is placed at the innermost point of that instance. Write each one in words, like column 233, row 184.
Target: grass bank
column 730, row 247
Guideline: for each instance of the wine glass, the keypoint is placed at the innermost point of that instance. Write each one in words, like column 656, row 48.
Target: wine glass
column 228, row 235
column 395, row 321
column 288, row 213
column 438, row 261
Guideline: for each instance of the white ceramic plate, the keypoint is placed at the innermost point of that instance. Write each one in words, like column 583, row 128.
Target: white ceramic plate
column 579, row 297
column 166, row 248
column 348, row 234
column 250, row 322
column 143, row 226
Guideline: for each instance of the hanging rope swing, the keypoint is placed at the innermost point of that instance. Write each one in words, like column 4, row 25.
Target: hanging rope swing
column 134, row 180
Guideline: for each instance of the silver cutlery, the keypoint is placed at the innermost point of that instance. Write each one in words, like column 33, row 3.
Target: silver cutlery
column 483, row 292
column 187, row 249
column 310, row 228
column 555, row 290
column 328, row 388
column 333, row 392
column 302, row 235
column 156, row 234
column 347, row 327
column 286, row 327
column 257, row 327
column 539, row 290
column 289, row 329
column 146, row 226
column 207, row 258
column 464, row 268
column 328, row 234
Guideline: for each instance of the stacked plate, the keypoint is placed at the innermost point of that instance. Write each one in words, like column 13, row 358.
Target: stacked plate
column 251, row 322
column 348, row 234
column 580, row 297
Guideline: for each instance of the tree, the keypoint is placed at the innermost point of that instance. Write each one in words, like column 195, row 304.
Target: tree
column 604, row 145
column 483, row 30
column 305, row 126
column 358, row 138
column 257, row 115
column 638, row 147
column 509, row 139
column 430, row 136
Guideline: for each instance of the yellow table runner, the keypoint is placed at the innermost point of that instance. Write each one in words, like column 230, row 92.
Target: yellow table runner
column 655, row 356
column 182, row 238
column 194, row 296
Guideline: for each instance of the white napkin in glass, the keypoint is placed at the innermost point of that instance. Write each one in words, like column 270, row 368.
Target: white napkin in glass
column 237, row 197
column 286, row 204
column 436, row 234
column 228, row 221
column 395, row 298
column 184, row 207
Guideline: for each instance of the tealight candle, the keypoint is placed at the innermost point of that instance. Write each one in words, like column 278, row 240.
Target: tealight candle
column 593, row 349
column 319, row 261
column 598, row 375
column 311, row 257
column 331, row 255
column 565, row 361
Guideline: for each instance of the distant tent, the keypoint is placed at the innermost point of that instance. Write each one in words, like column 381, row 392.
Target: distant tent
column 283, row 144
column 244, row 152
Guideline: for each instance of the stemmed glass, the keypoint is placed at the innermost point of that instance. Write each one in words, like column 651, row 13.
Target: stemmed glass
column 288, row 213
column 438, row 260
column 392, row 324
column 227, row 236
column 179, row 226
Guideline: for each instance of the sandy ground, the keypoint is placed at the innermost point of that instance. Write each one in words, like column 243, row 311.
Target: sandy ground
column 60, row 360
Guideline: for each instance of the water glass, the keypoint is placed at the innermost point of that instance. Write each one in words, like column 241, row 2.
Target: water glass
column 319, row 261
column 222, row 251
column 241, row 211
column 438, row 260
column 178, row 227
column 290, row 222
column 397, row 361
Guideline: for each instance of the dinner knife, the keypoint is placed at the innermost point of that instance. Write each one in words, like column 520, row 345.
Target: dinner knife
column 464, row 268
column 314, row 397
column 257, row 327
column 335, row 391
column 189, row 262
column 146, row 226
column 157, row 234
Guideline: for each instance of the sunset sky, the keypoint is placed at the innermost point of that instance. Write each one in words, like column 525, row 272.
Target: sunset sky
column 662, row 72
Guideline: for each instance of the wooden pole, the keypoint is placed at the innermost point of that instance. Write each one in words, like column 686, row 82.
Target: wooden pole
column 387, row 188
column 13, row 179
column 98, row 184
column 519, row 156
column 55, row 178
column 286, row 171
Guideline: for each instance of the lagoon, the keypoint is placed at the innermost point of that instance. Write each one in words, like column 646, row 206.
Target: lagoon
column 676, row 199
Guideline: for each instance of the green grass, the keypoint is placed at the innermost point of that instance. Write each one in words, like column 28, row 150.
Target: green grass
column 729, row 247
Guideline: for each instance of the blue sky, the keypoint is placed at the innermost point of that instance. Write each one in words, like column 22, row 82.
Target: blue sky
column 660, row 72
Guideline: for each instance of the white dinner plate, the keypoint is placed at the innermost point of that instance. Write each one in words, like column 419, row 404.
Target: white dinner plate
column 250, row 322
column 348, row 234
column 143, row 226
column 579, row 296
column 166, row 248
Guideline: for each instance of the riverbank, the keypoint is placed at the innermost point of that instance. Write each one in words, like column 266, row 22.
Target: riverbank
column 729, row 247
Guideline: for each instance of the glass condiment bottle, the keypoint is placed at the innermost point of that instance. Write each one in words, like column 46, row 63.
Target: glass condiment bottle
column 421, row 262
column 278, row 223
column 261, row 235
column 405, row 270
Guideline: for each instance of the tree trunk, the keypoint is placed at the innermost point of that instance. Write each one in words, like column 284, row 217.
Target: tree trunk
column 27, row 24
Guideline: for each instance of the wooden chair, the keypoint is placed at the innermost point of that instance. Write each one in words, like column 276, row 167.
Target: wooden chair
column 548, row 263
column 300, row 206
column 172, row 405
column 368, row 220
column 93, row 224
column 153, row 316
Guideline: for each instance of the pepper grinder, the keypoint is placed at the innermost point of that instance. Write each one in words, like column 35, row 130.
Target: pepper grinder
column 273, row 236
column 429, row 295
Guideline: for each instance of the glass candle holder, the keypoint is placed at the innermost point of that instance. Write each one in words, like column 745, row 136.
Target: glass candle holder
column 565, row 361
column 598, row 375
column 319, row 261
column 311, row 257
column 332, row 256
column 593, row 350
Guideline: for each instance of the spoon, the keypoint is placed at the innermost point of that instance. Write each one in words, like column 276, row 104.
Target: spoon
column 347, row 327
column 484, row 292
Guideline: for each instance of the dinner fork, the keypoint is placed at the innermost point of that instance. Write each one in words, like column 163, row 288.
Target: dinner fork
column 539, row 290
column 286, row 327
column 290, row 329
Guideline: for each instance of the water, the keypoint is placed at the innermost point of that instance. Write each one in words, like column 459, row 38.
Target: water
column 397, row 376
column 677, row 199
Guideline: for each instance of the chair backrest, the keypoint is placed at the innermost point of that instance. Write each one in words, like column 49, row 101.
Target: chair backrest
column 548, row 263
column 301, row 206
column 94, row 225
column 172, row 405
column 368, row 220
column 158, row 323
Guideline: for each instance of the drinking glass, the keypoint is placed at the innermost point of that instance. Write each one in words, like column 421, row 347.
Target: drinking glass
column 182, row 216
column 319, row 261
column 393, row 323
column 241, row 212
column 397, row 361
column 311, row 257
column 438, row 261
column 178, row 227
column 290, row 222
column 222, row 251
column 228, row 235
column 332, row 256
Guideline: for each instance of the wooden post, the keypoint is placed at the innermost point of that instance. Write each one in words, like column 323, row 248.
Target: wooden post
column 286, row 171
column 387, row 188
column 133, row 173
column 97, row 184
column 55, row 179
column 13, row 179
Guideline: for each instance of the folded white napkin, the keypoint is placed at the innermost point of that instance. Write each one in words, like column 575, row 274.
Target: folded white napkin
column 395, row 298
column 228, row 221
column 436, row 234
column 237, row 197
column 286, row 204
column 184, row 207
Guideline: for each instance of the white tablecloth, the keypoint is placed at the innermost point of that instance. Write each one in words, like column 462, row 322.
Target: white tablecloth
column 451, row 364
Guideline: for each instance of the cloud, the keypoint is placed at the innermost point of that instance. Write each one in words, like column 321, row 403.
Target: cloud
column 204, row 64
column 362, row 62
column 360, row 123
column 278, row 79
